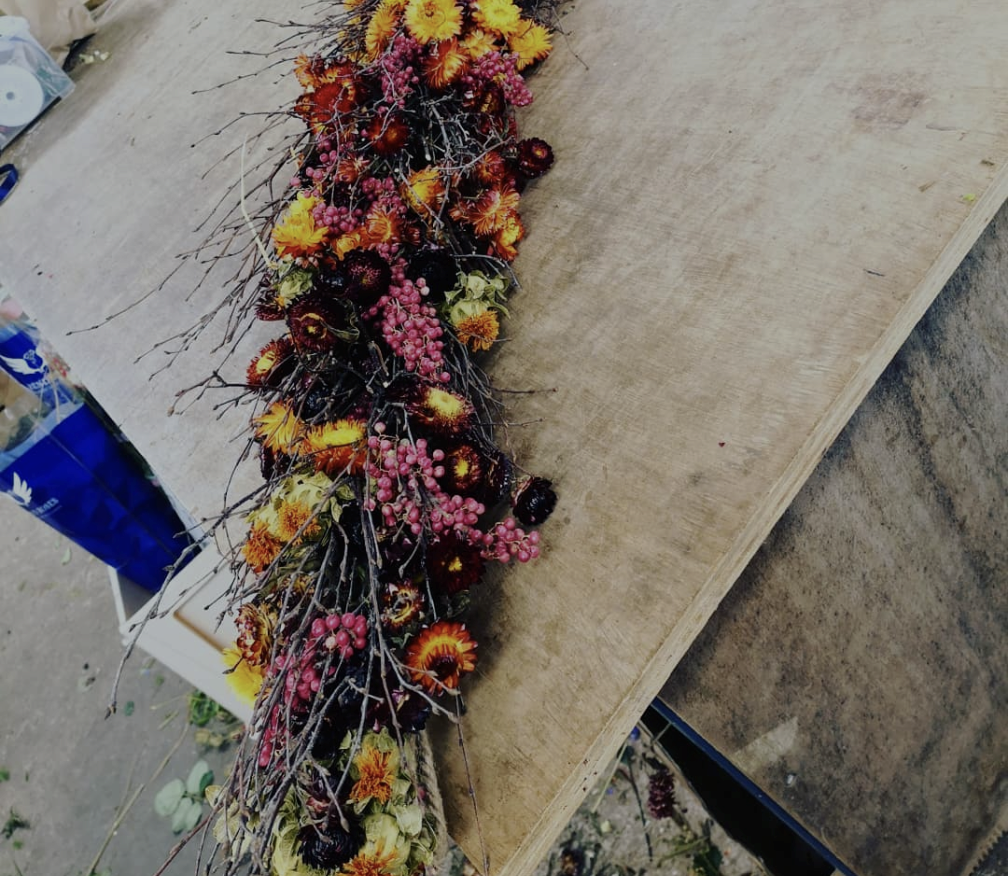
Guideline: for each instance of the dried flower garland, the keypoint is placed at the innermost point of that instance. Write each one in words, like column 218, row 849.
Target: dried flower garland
column 384, row 485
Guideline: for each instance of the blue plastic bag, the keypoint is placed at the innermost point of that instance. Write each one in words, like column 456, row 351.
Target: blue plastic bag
column 70, row 471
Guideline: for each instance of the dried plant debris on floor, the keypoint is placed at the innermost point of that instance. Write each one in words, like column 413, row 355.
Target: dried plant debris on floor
column 641, row 819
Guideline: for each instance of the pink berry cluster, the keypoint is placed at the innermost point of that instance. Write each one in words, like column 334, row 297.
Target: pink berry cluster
column 384, row 190
column 407, row 489
column 411, row 328
column 343, row 220
column 508, row 540
column 330, row 635
column 326, row 157
column 398, row 70
column 333, row 634
column 495, row 68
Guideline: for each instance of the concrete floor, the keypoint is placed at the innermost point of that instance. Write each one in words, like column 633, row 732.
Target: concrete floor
column 71, row 772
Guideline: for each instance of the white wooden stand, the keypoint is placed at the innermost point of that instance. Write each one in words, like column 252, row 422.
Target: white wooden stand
column 184, row 633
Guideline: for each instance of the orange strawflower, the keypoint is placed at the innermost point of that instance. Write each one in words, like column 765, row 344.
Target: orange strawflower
column 377, row 770
column 337, row 447
column 279, row 429
column 530, row 42
column 349, row 170
column 297, row 235
column 382, row 225
column 306, row 70
column 440, row 655
column 381, row 29
column 504, row 240
column 260, row 548
column 431, row 20
column 493, row 208
column 424, row 191
column 490, row 168
column 478, row 43
column 499, row 16
column 347, row 242
column 373, row 864
column 445, row 64
column 479, row 331
column 291, row 517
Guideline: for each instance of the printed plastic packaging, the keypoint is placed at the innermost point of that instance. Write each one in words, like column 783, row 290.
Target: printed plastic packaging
column 60, row 462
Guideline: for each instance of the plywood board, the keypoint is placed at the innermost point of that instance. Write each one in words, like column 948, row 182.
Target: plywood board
column 752, row 205
column 859, row 659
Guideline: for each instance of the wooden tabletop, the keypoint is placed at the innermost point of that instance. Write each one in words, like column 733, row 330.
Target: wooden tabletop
column 752, row 205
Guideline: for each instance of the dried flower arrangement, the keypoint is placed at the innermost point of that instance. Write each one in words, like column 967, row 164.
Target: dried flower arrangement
column 385, row 494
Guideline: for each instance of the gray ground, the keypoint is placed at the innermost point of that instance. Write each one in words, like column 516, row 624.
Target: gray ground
column 74, row 776
column 66, row 769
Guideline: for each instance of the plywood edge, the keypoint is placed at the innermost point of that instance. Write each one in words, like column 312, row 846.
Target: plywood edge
column 723, row 576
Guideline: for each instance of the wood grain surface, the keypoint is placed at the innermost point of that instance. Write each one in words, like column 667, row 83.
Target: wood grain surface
column 856, row 670
column 752, row 205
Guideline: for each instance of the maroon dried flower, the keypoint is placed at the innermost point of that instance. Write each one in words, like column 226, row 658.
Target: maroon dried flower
column 268, row 309
column 535, row 157
column 274, row 362
column 329, row 850
column 315, row 323
column 267, row 462
column 369, row 275
column 470, row 472
column 440, row 411
column 534, row 501
column 388, row 133
column 661, row 794
column 454, row 565
column 338, row 93
column 402, row 604
column 572, row 862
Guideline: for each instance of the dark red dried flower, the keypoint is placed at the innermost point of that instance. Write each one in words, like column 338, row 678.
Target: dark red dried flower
column 329, row 850
column 267, row 462
column 402, row 605
column 315, row 322
column 438, row 268
column 454, row 564
column 340, row 93
column 535, row 157
column 572, row 862
column 268, row 309
column 491, row 169
column 274, row 362
column 534, row 501
column 412, row 712
column 661, row 794
column 471, row 472
column 369, row 275
column 439, row 411
column 388, row 133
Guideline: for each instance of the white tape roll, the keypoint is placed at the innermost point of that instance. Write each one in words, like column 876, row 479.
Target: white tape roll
column 21, row 96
